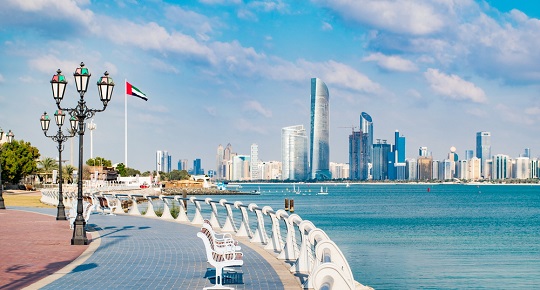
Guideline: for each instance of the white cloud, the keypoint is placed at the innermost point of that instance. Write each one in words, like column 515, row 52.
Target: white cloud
column 1, row 78
column 257, row 107
column 398, row 16
column 220, row 2
column 327, row 26
column 453, row 87
column 244, row 125
column 54, row 9
column 391, row 62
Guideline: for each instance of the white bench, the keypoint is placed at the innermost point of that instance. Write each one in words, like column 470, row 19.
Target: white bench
column 221, row 242
column 106, row 203
column 88, row 208
column 219, row 254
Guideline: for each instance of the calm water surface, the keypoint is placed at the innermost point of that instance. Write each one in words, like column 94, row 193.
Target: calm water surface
column 409, row 237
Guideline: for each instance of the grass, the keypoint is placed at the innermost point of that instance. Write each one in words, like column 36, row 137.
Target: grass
column 28, row 200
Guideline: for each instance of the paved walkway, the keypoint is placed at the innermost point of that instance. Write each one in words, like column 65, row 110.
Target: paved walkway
column 130, row 252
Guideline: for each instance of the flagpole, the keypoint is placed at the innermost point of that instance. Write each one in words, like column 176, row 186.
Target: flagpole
column 125, row 125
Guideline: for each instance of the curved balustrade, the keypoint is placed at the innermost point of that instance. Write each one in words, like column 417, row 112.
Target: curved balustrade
column 313, row 254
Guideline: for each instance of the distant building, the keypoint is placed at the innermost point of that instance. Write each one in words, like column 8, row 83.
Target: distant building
column 446, row 169
column 425, row 168
column 522, row 168
column 469, row 154
column 411, row 169
column 197, row 169
column 339, row 170
column 423, row 152
column 381, row 152
column 397, row 157
column 474, row 169
column 182, row 164
column 163, row 161
column 320, row 131
column 435, row 169
column 483, row 148
column 270, row 170
column 355, row 155
column 501, row 167
column 366, row 127
column 219, row 163
column 254, row 165
column 240, row 167
column 294, row 159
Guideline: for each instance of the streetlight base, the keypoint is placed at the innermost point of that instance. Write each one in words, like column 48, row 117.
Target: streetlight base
column 79, row 233
column 61, row 213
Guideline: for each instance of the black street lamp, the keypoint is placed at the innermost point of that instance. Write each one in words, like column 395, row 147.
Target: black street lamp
column 59, row 138
column 9, row 137
column 81, row 112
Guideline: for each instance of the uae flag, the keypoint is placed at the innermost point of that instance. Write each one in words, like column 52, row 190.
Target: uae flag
column 133, row 91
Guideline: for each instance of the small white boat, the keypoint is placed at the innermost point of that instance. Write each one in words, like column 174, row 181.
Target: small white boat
column 322, row 192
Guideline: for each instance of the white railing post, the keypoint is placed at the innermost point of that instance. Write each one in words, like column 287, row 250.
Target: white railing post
column 290, row 249
column 229, row 225
column 304, row 263
column 260, row 235
column 150, row 210
column 198, row 219
column 276, row 243
column 166, row 208
column 134, row 210
column 214, row 215
column 182, row 215
column 244, row 230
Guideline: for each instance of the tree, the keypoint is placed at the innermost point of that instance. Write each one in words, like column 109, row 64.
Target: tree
column 179, row 175
column 46, row 166
column 121, row 168
column 18, row 159
column 67, row 173
column 98, row 161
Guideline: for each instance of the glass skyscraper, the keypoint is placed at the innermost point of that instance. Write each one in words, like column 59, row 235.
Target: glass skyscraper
column 319, row 152
column 355, row 149
column 483, row 149
column 366, row 126
column 294, row 160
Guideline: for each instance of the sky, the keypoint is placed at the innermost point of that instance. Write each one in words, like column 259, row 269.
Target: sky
column 235, row 71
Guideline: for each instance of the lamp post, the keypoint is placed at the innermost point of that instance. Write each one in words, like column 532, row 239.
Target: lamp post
column 92, row 127
column 9, row 137
column 81, row 112
column 59, row 138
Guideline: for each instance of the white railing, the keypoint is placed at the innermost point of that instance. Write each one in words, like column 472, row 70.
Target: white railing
column 313, row 254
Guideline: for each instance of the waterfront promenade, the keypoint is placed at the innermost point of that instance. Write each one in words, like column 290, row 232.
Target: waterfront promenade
column 125, row 252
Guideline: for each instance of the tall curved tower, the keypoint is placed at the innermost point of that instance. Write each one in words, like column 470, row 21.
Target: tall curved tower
column 366, row 155
column 319, row 152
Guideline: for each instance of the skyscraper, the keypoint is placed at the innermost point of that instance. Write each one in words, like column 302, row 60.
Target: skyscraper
column 366, row 126
column 320, row 131
column 254, row 162
column 219, row 162
column 483, row 149
column 163, row 161
column 294, row 160
column 197, row 170
column 355, row 149
column 399, row 147
column 380, row 160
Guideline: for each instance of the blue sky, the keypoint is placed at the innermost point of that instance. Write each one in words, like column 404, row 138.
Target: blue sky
column 233, row 71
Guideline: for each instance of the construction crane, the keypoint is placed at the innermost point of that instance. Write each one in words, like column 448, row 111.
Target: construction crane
column 351, row 127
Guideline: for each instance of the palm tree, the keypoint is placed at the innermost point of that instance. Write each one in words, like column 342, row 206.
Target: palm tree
column 67, row 173
column 47, row 165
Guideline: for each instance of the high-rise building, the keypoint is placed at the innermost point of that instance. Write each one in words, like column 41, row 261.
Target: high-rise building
column 423, row 152
column 425, row 167
column 527, row 153
column 399, row 147
column 240, row 167
column 412, row 169
column 435, row 169
column 474, row 169
column 446, row 169
column 522, row 168
column 197, row 169
column 163, row 161
column 501, row 167
column 182, row 164
column 469, row 154
column 483, row 149
column 294, row 160
column 219, row 162
column 320, row 131
column 339, row 170
column 355, row 156
column 366, row 127
column 270, row 170
column 381, row 151
column 254, row 159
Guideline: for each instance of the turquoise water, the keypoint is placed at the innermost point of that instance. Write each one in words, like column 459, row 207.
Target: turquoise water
column 406, row 237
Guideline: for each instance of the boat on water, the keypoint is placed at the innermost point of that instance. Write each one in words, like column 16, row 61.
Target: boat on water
column 348, row 184
column 322, row 192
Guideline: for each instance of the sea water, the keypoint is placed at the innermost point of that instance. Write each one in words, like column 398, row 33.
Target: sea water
column 427, row 236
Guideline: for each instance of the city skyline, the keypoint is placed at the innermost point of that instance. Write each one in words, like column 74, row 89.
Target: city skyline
column 235, row 71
